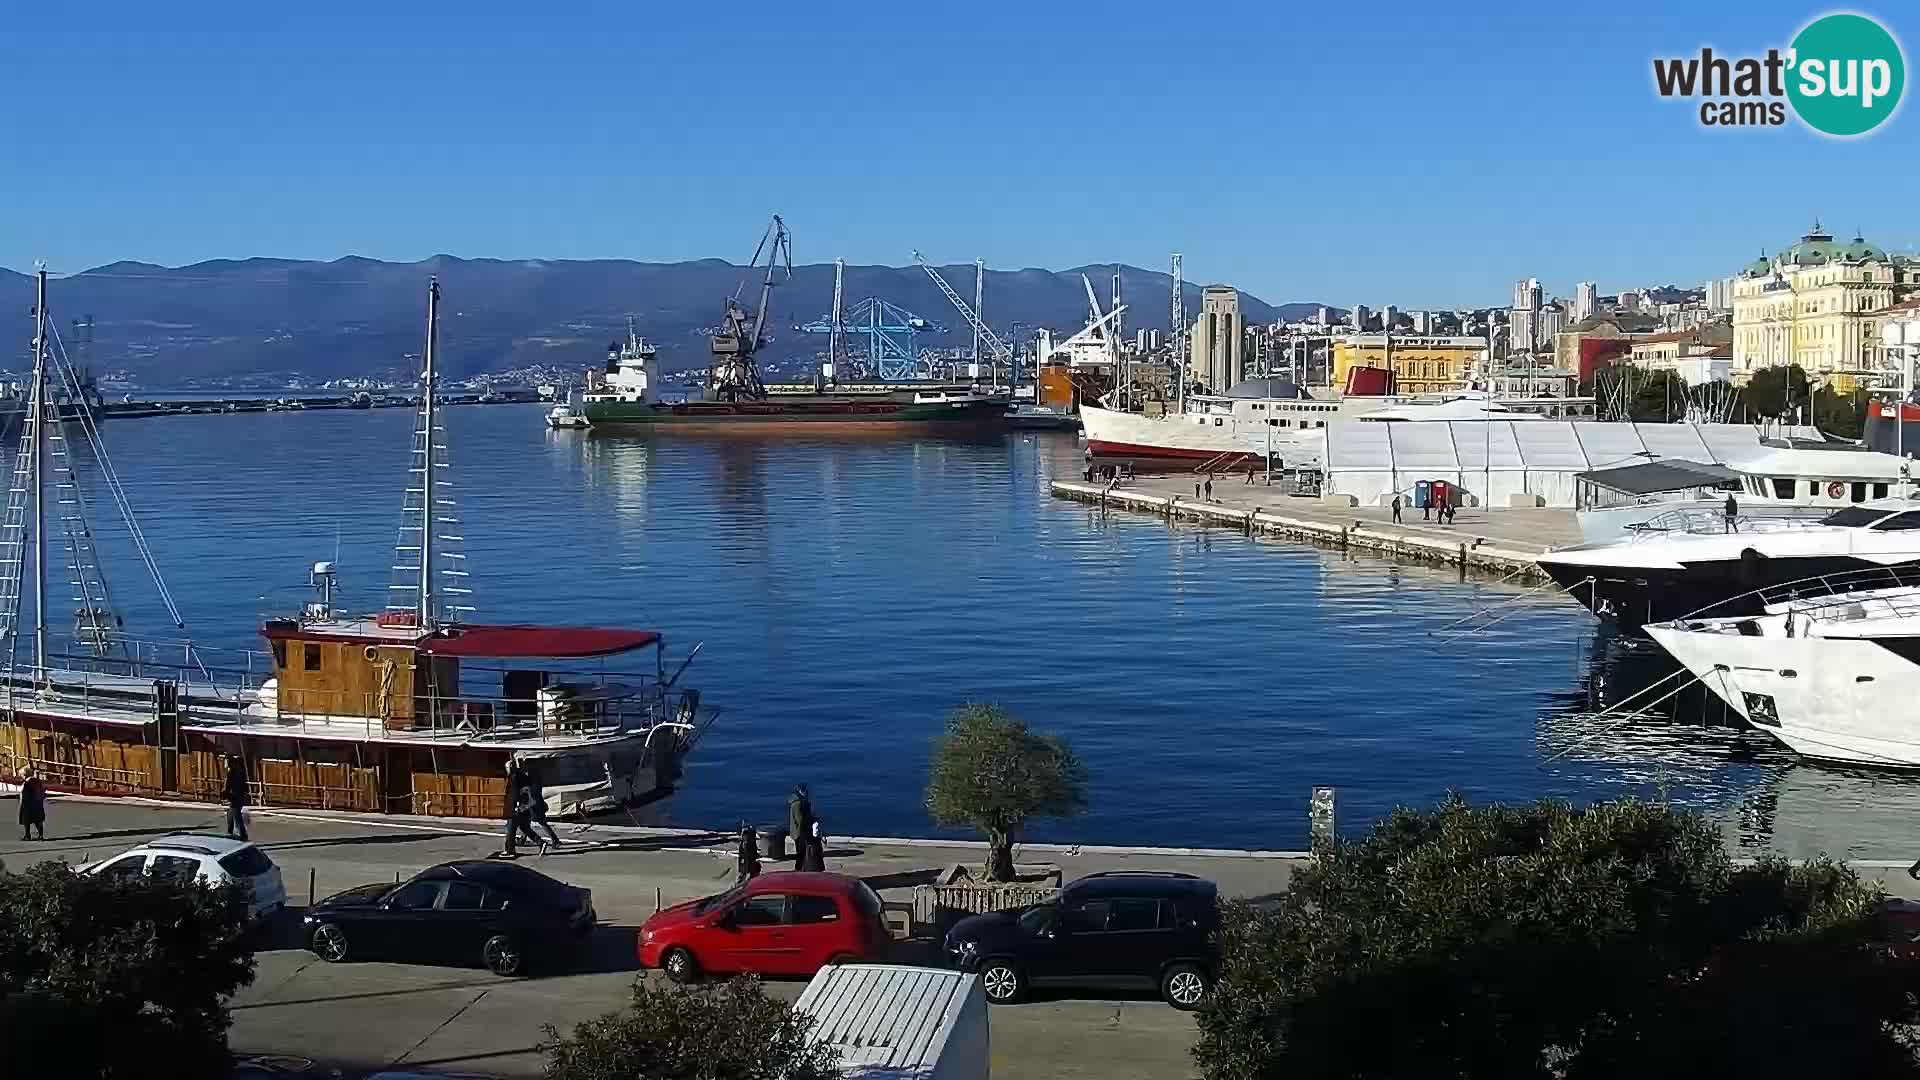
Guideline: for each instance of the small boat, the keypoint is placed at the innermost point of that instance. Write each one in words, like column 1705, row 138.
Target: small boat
column 1029, row 417
column 567, row 416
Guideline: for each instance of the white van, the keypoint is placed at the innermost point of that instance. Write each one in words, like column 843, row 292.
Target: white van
column 891, row 1022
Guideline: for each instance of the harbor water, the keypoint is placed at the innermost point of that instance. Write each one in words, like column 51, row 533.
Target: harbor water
column 850, row 593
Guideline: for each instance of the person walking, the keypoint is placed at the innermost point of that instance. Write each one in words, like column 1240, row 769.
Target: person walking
column 1396, row 509
column 1196, row 489
column 537, row 811
column 749, row 857
column 1251, row 469
column 1426, row 509
column 800, row 824
column 1733, row 513
column 33, row 806
column 519, row 810
column 1209, row 487
column 236, row 793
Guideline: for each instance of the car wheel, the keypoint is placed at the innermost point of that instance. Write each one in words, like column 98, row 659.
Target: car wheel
column 680, row 966
column 329, row 943
column 1003, row 982
column 1184, row 986
column 503, row 955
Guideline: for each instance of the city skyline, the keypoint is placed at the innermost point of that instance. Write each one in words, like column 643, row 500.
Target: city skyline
column 176, row 137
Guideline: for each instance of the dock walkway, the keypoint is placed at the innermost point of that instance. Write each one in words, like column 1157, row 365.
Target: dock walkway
column 1506, row 542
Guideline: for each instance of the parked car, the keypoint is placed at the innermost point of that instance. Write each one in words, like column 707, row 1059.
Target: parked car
column 783, row 923
column 507, row 917
column 204, row 857
column 1123, row 930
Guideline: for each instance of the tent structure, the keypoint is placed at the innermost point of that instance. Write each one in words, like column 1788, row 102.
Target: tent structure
column 1492, row 462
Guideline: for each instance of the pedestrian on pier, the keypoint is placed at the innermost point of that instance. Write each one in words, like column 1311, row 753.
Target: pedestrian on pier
column 33, row 806
column 1426, row 510
column 1733, row 513
column 749, row 860
column 1396, row 509
column 1251, row 469
column 800, row 824
column 1196, row 489
column 1209, row 487
column 236, row 793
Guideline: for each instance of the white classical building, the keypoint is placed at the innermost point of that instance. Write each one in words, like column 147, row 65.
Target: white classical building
column 1817, row 304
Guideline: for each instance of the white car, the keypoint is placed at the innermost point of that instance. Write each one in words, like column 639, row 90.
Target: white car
column 215, row 860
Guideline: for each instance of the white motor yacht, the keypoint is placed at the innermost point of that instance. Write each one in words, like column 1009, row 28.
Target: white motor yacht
column 1830, row 667
column 1657, row 576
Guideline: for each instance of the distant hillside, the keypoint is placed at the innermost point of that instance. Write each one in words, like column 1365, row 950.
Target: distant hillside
column 352, row 316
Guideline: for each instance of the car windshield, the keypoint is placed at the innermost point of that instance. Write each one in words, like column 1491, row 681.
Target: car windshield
column 717, row 899
column 1036, row 919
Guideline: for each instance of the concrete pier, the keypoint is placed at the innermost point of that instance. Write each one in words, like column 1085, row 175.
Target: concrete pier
column 1505, row 542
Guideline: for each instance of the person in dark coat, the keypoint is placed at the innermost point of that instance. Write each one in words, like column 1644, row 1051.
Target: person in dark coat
column 1396, row 509
column 520, row 798
column 236, row 793
column 800, row 824
column 537, row 812
column 33, row 806
column 749, row 860
column 1733, row 514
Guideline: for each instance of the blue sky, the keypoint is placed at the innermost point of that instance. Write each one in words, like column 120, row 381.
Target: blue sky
column 1352, row 153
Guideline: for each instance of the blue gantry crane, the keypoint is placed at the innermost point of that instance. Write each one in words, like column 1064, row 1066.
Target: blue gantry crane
column 892, row 333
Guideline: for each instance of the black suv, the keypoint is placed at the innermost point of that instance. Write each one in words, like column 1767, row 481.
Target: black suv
column 1112, row 931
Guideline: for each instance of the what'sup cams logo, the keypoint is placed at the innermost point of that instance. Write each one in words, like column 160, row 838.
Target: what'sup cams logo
column 1842, row 76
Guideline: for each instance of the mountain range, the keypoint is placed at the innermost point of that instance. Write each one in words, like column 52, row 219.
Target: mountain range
column 235, row 319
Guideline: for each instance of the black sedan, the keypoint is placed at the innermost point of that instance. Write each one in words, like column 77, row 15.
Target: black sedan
column 507, row 917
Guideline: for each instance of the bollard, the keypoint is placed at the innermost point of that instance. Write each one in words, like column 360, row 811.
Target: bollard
column 656, row 899
column 1320, row 817
column 310, row 874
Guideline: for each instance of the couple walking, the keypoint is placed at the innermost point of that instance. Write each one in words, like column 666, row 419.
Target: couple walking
column 526, row 807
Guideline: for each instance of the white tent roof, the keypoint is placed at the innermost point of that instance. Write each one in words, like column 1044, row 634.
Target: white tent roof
column 1568, row 445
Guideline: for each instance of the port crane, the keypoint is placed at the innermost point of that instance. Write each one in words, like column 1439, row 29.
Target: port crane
column 735, row 375
column 892, row 333
column 1002, row 354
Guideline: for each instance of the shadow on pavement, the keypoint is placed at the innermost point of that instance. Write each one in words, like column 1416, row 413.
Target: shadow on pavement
column 363, row 838
column 589, row 846
column 608, row 949
column 485, row 982
column 904, row 879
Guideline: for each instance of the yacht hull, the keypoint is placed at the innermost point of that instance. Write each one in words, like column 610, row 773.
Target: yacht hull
column 1847, row 700
column 1633, row 596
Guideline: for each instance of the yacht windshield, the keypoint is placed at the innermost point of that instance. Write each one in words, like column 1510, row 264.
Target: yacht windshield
column 1853, row 517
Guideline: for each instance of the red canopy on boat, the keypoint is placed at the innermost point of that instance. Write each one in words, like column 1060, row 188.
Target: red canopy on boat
column 535, row 642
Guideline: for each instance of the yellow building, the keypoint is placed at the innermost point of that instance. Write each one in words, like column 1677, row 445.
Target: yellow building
column 1818, row 304
column 1420, row 365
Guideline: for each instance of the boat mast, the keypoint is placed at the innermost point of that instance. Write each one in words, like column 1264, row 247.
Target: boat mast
column 36, row 416
column 425, row 612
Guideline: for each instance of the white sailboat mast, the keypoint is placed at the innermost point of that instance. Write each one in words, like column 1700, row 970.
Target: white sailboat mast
column 36, row 416
column 425, row 612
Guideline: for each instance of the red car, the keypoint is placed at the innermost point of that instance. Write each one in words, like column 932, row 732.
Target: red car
column 785, row 923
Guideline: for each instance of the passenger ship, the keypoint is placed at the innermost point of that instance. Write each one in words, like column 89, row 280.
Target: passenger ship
column 413, row 709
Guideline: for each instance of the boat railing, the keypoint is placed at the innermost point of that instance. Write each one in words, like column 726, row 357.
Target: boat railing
column 1821, row 592
column 568, row 708
column 1704, row 520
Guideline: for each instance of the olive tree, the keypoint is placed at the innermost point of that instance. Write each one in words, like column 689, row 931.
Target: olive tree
column 727, row 1031
column 148, row 963
column 1545, row 941
column 993, row 773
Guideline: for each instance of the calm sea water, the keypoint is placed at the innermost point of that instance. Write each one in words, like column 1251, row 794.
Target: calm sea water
column 850, row 593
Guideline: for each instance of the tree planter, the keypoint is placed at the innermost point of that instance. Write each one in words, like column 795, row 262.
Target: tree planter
column 960, row 893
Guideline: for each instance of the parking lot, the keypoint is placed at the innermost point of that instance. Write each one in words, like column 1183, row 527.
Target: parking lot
column 361, row 1017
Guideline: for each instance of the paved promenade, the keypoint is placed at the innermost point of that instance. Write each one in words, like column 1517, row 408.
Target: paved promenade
column 368, row 1016
column 363, row 1017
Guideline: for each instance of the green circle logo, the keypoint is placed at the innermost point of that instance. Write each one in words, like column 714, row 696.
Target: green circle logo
column 1846, row 76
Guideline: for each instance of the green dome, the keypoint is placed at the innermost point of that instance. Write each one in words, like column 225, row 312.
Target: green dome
column 1760, row 267
column 1861, row 251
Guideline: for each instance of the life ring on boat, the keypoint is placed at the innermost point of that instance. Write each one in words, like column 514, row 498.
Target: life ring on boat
column 1836, row 489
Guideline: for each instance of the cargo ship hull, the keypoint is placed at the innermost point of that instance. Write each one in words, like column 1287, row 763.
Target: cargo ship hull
column 836, row 415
